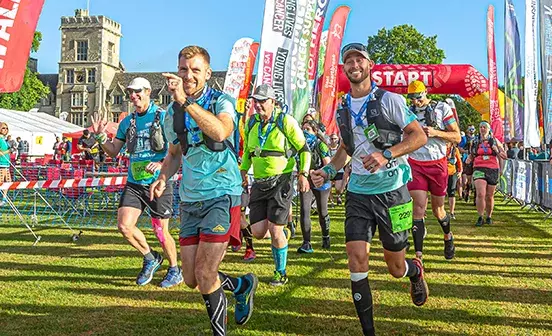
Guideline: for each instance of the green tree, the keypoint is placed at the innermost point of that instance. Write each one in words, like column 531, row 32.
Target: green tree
column 32, row 89
column 404, row 45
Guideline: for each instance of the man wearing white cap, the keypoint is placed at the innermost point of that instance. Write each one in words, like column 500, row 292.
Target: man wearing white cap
column 142, row 131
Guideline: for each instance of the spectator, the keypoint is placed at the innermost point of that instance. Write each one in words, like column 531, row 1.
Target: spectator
column 513, row 150
column 12, row 144
column 521, row 153
column 68, row 149
column 4, row 159
column 59, row 149
column 89, row 146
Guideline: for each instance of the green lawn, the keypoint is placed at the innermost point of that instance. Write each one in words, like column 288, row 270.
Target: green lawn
column 498, row 284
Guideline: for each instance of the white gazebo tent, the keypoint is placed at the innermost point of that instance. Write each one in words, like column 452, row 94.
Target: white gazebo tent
column 38, row 128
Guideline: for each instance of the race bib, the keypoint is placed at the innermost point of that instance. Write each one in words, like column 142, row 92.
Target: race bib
column 94, row 150
column 485, row 157
column 401, row 217
column 478, row 174
column 371, row 133
column 139, row 170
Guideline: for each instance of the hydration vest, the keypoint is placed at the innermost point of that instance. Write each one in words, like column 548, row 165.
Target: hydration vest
column 157, row 141
column 477, row 142
column 430, row 118
column 179, row 127
column 288, row 150
column 389, row 134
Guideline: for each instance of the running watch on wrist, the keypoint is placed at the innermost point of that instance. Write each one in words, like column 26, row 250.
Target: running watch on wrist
column 189, row 101
column 387, row 154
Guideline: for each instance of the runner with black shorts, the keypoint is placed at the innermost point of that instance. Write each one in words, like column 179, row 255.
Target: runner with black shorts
column 142, row 131
column 454, row 173
column 272, row 138
column 486, row 153
column 371, row 123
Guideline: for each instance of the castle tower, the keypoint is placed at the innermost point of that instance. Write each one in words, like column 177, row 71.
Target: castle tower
column 89, row 61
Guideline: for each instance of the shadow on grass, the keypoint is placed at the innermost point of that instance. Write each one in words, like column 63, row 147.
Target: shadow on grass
column 49, row 320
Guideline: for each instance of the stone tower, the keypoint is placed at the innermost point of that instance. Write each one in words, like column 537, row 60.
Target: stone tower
column 89, row 61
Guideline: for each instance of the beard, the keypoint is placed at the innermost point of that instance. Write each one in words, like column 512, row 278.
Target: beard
column 362, row 78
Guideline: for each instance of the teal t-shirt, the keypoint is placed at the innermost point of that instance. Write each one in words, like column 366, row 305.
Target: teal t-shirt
column 5, row 158
column 143, row 154
column 207, row 174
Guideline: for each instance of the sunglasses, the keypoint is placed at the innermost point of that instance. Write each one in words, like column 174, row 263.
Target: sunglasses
column 353, row 46
column 130, row 91
column 4, row 128
column 419, row 97
column 471, row 129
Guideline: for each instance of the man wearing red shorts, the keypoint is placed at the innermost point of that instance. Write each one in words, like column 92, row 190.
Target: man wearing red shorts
column 429, row 165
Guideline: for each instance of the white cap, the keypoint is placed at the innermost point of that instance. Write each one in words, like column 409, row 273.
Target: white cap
column 139, row 83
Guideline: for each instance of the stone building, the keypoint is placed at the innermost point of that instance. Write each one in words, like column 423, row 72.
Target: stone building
column 91, row 77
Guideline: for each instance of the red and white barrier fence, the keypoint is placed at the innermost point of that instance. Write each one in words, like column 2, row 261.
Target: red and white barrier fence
column 71, row 183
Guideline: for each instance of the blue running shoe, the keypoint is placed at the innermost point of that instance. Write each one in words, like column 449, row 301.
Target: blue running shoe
column 172, row 278
column 305, row 248
column 244, row 301
column 148, row 269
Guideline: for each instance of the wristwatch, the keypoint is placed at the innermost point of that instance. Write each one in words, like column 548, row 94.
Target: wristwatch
column 304, row 173
column 189, row 101
column 387, row 154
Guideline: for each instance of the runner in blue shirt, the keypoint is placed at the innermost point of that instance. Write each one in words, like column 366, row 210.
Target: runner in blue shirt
column 200, row 125
column 142, row 132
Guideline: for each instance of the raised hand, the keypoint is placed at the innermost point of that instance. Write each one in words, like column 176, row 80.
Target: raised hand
column 175, row 87
column 99, row 125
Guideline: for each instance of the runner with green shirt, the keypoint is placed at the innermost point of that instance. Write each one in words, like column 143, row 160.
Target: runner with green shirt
column 272, row 138
column 372, row 122
column 143, row 134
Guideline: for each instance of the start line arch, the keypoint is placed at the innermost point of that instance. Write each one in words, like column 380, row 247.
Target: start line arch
column 455, row 79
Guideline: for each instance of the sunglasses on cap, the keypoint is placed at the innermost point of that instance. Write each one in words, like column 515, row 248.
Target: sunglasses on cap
column 353, row 46
column 130, row 91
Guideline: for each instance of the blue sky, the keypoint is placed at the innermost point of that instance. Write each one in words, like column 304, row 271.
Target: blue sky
column 154, row 31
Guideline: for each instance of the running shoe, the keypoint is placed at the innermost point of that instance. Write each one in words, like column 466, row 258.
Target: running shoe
column 305, row 248
column 452, row 216
column 418, row 286
column 236, row 248
column 249, row 254
column 489, row 221
column 326, row 243
column 244, row 301
column 279, row 279
column 172, row 278
column 479, row 221
column 449, row 248
column 149, row 267
column 339, row 201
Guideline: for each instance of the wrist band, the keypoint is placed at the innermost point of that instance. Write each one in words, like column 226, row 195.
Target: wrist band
column 330, row 170
column 101, row 138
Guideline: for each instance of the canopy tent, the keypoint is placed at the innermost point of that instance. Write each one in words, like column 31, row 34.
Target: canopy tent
column 111, row 131
column 38, row 128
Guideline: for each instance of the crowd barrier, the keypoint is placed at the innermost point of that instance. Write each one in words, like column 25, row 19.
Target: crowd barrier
column 527, row 182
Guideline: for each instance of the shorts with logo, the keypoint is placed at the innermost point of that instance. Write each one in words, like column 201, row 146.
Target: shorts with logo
column 5, row 175
column 365, row 213
column 452, row 184
column 138, row 196
column 213, row 221
column 488, row 174
column 430, row 177
column 271, row 202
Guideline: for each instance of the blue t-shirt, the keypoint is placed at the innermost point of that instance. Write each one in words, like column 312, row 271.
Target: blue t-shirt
column 143, row 154
column 206, row 174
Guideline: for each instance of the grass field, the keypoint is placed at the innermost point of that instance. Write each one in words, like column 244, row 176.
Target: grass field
column 498, row 284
